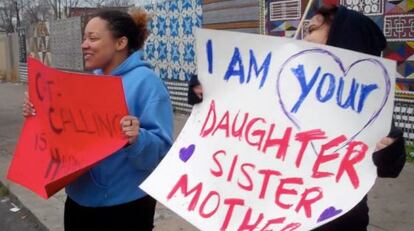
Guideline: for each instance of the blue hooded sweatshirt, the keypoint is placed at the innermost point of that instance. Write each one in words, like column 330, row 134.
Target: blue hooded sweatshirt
column 115, row 180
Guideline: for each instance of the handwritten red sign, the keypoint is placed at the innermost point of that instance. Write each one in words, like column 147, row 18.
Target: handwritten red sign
column 77, row 124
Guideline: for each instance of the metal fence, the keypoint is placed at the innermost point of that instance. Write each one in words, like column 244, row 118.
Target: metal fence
column 23, row 72
column 178, row 94
column 404, row 114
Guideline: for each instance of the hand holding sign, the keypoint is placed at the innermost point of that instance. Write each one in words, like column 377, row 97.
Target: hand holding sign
column 130, row 127
column 27, row 108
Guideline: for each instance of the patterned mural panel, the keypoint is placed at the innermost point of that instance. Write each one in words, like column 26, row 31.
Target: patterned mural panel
column 284, row 10
column 403, row 53
column 171, row 45
column 232, row 15
column 399, row 7
column 399, row 27
column 65, row 43
column 283, row 17
column 367, row 7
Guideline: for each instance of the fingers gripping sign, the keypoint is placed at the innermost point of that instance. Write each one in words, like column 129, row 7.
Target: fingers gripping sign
column 27, row 107
column 383, row 143
column 130, row 128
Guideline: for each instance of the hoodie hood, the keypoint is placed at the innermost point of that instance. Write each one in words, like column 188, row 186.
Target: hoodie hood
column 133, row 61
column 354, row 31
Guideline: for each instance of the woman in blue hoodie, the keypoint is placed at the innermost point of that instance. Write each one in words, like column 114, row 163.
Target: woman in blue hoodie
column 107, row 197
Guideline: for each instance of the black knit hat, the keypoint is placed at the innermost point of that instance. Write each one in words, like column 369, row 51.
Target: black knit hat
column 354, row 31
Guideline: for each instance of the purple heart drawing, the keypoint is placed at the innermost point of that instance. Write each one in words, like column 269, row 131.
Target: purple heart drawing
column 344, row 71
column 187, row 152
column 328, row 213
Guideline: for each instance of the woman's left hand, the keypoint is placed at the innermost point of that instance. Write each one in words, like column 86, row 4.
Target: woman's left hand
column 130, row 127
column 383, row 143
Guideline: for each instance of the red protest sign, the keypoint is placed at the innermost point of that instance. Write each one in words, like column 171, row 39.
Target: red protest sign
column 77, row 124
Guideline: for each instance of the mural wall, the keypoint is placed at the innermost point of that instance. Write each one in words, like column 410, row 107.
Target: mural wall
column 233, row 15
column 394, row 17
column 170, row 46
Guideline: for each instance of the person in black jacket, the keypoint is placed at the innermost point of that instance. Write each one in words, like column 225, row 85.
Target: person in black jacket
column 348, row 29
column 195, row 91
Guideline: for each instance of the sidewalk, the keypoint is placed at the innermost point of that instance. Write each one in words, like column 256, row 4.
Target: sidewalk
column 391, row 200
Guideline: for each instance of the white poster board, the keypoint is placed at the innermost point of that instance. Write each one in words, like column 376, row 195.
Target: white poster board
column 284, row 136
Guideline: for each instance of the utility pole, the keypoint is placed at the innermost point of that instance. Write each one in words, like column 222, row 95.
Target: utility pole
column 16, row 8
column 55, row 9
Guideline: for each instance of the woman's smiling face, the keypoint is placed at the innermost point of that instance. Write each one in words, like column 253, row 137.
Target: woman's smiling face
column 99, row 45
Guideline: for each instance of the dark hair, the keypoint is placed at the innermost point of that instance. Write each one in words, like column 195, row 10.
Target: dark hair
column 133, row 26
column 328, row 13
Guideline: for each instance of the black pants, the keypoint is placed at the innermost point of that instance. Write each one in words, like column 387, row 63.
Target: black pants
column 135, row 215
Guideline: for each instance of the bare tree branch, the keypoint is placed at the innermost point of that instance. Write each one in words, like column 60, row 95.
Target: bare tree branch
column 7, row 13
column 69, row 4
column 96, row 3
column 37, row 10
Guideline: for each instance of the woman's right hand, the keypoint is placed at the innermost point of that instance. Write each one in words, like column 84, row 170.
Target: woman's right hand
column 27, row 107
column 198, row 91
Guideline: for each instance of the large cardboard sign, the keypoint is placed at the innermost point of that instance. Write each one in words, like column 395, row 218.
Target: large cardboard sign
column 283, row 138
column 77, row 124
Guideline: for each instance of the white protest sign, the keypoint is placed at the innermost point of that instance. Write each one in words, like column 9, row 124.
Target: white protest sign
column 283, row 138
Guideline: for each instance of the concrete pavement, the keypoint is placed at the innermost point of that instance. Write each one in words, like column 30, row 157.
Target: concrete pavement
column 14, row 217
column 391, row 200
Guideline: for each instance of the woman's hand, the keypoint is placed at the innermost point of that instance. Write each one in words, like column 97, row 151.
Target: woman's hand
column 130, row 127
column 198, row 90
column 383, row 143
column 27, row 107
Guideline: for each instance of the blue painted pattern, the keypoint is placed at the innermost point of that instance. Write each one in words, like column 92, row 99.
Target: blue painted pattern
column 170, row 48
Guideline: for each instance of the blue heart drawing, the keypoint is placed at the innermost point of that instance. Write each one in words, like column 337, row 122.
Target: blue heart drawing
column 344, row 72
column 187, row 152
column 328, row 213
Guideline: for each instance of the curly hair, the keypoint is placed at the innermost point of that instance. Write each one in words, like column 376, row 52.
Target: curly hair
column 131, row 25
